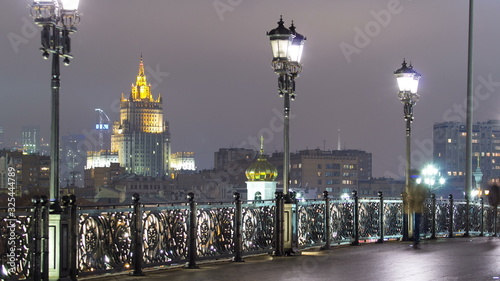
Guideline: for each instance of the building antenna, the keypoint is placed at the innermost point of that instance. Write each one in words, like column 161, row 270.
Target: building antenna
column 338, row 141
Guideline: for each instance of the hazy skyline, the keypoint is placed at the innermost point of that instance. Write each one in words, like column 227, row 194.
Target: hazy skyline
column 210, row 60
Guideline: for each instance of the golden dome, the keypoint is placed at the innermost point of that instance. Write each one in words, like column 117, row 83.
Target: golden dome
column 261, row 170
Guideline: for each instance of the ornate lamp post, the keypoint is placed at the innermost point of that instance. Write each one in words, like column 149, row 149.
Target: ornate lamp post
column 408, row 85
column 287, row 46
column 57, row 19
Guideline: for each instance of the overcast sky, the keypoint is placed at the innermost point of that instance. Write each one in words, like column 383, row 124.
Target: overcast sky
column 210, row 60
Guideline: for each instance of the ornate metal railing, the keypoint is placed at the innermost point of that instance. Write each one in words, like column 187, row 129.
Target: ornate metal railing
column 107, row 239
column 16, row 243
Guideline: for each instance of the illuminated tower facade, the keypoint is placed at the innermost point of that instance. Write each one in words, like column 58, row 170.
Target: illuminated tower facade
column 141, row 137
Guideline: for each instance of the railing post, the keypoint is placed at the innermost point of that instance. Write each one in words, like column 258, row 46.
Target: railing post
column 279, row 232
column 406, row 213
column 70, row 204
column 433, row 213
column 192, row 249
column 237, row 229
column 467, row 216
column 356, row 219
column 450, row 225
column 481, row 201
column 44, row 200
column 137, row 236
column 37, row 239
column 381, row 217
column 495, row 215
column 327, row 222
column 291, row 224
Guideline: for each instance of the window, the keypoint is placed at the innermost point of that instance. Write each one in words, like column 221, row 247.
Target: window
column 336, row 166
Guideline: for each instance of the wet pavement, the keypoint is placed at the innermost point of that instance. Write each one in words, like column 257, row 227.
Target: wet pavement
column 468, row 259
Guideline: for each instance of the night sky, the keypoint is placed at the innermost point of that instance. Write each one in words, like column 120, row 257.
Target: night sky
column 210, row 60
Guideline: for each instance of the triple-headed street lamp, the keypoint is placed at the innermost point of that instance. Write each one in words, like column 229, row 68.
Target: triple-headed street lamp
column 408, row 85
column 287, row 46
column 57, row 19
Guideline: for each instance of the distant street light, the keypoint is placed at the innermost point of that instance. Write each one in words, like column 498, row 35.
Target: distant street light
column 408, row 85
column 431, row 177
column 57, row 19
column 287, row 46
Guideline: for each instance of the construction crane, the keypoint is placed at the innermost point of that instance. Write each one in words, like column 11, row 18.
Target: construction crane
column 101, row 126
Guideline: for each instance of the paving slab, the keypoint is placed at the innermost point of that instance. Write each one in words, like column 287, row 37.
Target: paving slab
column 445, row 259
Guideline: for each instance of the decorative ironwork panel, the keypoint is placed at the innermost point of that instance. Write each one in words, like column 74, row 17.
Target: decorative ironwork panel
column 104, row 240
column 475, row 217
column 311, row 222
column 369, row 218
column 393, row 218
column 164, row 235
column 342, row 220
column 426, row 219
column 459, row 216
column 442, row 217
column 489, row 220
column 215, row 230
column 16, row 244
column 258, row 223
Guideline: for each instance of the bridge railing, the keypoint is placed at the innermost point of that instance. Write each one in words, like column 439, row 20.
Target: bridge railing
column 106, row 239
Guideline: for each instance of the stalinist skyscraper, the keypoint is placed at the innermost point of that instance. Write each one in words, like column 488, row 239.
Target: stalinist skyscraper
column 141, row 137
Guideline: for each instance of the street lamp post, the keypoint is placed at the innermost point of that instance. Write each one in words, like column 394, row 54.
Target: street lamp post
column 408, row 85
column 57, row 19
column 287, row 46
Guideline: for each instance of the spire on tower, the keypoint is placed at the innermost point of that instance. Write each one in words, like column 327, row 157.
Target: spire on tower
column 141, row 67
column 141, row 90
column 261, row 145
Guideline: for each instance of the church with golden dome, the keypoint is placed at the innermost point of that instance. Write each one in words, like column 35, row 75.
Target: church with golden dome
column 141, row 137
column 261, row 175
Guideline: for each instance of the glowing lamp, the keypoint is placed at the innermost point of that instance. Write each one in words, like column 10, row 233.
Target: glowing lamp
column 296, row 46
column 407, row 78
column 280, row 38
column 71, row 5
